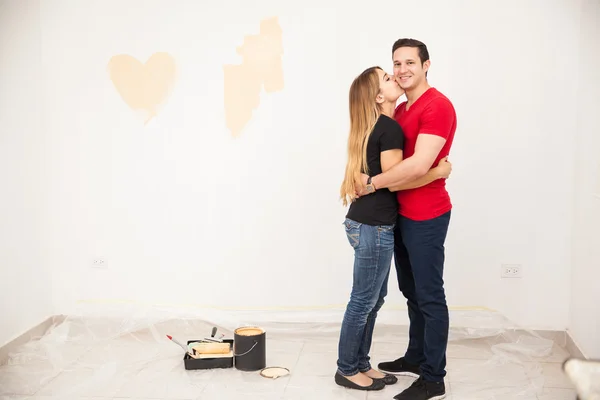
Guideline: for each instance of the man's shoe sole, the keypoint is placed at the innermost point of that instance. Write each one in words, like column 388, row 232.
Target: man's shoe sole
column 402, row 373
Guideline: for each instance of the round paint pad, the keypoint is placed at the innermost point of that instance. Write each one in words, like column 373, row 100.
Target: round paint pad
column 274, row 372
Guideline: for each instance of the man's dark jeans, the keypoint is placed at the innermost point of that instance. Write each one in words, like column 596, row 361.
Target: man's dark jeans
column 419, row 257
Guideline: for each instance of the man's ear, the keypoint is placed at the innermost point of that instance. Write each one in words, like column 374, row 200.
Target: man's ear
column 426, row 65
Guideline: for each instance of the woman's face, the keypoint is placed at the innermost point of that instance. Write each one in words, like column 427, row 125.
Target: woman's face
column 389, row 89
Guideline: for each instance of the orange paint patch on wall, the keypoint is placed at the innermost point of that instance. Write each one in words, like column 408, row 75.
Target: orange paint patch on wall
column 143, row 87
column 261, row 67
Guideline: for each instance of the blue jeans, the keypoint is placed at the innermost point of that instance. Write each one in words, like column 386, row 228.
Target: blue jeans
column 373, row 251
column 419, row 258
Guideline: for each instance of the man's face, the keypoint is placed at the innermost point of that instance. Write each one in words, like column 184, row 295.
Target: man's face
column 407, row 67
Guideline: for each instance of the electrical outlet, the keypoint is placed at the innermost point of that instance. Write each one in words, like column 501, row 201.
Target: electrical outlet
column 99, row 263
column 511, row 271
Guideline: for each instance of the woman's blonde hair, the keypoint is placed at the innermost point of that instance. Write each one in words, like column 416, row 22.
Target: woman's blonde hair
column 364, row 113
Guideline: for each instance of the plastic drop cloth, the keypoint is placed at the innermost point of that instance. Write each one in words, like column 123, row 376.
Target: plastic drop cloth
column 127, row 355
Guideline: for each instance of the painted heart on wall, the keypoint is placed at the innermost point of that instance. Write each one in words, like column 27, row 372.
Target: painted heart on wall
column 144, row 87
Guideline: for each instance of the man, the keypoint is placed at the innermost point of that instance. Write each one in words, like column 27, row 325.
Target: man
column 428, row 120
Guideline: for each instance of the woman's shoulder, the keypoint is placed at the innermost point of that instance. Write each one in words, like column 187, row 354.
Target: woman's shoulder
column 387, row 124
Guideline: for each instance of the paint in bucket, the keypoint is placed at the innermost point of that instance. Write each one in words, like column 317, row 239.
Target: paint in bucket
column 249, row 348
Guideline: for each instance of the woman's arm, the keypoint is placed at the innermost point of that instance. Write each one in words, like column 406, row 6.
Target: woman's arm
column 441, row 171
column 389, row 158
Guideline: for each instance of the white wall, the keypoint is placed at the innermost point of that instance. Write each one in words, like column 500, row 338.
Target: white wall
column 25, row 288
column 184, row 214
column 585, row 316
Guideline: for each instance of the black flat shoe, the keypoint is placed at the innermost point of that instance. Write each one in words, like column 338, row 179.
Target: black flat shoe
column 388, row 379
column 341, row 380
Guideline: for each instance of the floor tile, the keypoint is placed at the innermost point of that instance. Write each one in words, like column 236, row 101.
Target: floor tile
column 488, row 373
column 490, row 391
column 552, row 376
column 319, row 387
column 557, row 394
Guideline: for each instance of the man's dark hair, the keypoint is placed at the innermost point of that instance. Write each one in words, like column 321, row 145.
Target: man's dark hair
column 423, row 53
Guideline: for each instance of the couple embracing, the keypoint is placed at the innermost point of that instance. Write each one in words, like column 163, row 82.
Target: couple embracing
column 399, row 206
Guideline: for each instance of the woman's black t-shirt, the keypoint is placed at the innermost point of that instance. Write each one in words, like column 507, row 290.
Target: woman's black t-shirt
column 381, row 207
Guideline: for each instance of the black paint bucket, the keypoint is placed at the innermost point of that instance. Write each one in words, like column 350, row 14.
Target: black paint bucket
column 249, row 348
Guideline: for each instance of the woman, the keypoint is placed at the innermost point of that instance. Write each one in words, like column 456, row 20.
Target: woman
column 375, row 144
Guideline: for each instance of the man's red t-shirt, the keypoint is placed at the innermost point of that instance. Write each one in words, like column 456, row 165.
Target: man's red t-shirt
column 433, row 114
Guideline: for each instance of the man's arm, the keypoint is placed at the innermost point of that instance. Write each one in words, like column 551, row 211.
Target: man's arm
column 436, row 123
column 412, row 168
column 441, row 171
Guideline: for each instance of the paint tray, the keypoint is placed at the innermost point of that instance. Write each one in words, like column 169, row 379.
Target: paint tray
column 191, row 363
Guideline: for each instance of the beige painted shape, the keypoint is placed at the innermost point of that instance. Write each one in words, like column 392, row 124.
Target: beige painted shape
column 144, row 87
column 261, row 67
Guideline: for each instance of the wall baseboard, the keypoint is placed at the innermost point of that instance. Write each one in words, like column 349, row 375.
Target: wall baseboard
column 32, row 334
column 573, row 348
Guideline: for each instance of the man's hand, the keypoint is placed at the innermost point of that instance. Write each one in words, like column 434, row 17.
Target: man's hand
column 360, row 187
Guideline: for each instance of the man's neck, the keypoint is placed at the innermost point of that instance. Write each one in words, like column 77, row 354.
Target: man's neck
column 414, row 94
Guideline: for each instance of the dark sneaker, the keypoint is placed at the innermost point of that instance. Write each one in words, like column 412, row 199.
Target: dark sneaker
column 400, row 367
column 423, row 390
